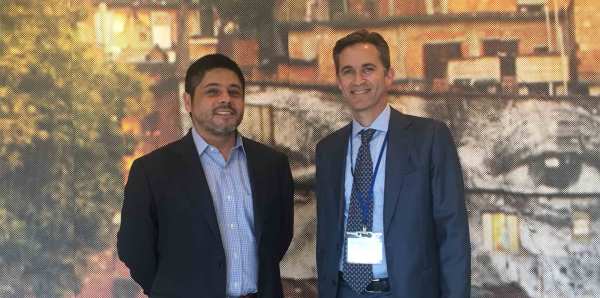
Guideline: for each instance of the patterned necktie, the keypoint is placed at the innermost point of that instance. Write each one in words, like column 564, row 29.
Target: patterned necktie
column 358, row 276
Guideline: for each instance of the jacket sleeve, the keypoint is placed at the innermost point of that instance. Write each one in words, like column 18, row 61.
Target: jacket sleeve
column 287, row 206
column 450, row 215
column 136, row 239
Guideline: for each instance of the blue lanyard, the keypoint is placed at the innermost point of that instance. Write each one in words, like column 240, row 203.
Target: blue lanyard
column 362, row 199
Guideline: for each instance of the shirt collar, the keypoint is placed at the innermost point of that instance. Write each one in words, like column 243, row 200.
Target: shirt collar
column 381, row 123
column 201, row 144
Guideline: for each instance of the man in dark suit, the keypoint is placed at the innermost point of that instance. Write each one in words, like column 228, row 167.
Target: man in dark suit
column 210, row 215
column 391, row 217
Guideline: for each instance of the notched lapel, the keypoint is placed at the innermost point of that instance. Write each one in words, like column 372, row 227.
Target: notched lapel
column 256, row 175
column 194, row 180
column 338, row 154
column 399, row 162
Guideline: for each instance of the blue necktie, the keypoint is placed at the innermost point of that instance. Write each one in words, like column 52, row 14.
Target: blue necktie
column 358, row 276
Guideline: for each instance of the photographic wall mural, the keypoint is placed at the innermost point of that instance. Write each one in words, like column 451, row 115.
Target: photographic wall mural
column 88, row 86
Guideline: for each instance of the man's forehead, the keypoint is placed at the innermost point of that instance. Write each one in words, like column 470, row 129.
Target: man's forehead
column 358, row 64
column 218, row 83
column 359, row 54
column 221, row 77
column 363, row 49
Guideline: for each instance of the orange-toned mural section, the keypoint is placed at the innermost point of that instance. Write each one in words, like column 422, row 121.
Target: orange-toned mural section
column 587, row 14
column 406, row 42
column 128, row 33
column 461, row 6
column 408, row 7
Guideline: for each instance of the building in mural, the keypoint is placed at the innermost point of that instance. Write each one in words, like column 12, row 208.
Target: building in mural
column 523, row 47
column 516, row 80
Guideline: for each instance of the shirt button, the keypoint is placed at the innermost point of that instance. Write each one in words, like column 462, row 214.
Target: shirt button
column 233, row 226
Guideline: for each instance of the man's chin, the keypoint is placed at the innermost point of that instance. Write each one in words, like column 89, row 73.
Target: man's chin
column 224, row 130
column 360, row 107
column 359, row 101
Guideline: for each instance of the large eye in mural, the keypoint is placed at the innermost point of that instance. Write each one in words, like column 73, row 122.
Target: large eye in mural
column 551, row 172
column 537, row 148
column 558, row 170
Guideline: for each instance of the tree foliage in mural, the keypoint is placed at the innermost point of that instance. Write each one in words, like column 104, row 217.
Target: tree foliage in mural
column 61, row 145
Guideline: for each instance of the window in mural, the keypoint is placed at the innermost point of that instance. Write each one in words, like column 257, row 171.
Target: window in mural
column 436, row 57
column 581, row 225
column 161, row 29
column 506, row 50
column 501, row 232
column 437, row 6
column 363, row 8
column 531, row 5
column 103, row 20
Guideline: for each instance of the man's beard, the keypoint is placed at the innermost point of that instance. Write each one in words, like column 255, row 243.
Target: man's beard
column 221, row 131
column 211, row 127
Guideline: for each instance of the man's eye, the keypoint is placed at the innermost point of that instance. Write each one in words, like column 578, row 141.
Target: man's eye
column 235, row 93
column 212, row 92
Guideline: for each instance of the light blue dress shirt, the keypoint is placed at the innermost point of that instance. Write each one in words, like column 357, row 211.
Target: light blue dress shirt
column 381, row 125
column 232, row 198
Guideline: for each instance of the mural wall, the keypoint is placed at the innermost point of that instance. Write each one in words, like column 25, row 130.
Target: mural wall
column 88, row 86
column 530, row 167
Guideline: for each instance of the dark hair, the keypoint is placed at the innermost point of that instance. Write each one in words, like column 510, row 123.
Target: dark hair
column 362, row 36
column 195, row 73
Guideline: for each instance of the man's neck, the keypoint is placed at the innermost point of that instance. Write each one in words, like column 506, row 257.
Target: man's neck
column 366, row 118
column 224, row 143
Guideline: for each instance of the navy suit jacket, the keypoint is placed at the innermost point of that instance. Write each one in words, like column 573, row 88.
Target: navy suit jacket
column 425, row 220
column 169, row 235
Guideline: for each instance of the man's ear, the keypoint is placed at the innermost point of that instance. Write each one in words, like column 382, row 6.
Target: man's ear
column 187, row 100
column 337, row 81
column 389, row 76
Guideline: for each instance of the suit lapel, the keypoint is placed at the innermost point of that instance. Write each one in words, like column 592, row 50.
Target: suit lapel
column 194, row 180
column 338, row 164
column 398, row 164
column 256, row 174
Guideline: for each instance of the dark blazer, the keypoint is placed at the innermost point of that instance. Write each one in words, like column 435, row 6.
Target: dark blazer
column 425, row 220
column 169, row 235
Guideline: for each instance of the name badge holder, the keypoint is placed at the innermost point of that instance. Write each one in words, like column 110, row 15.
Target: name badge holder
column 364, row 248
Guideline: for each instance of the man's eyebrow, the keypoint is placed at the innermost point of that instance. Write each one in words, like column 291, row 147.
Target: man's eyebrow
column 369, row 65
column 211, row 85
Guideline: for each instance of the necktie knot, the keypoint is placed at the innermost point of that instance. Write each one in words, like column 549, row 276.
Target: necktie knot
column 366, row 135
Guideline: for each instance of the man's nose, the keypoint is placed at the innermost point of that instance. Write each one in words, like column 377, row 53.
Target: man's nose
column 358, row 79
column 225, row 97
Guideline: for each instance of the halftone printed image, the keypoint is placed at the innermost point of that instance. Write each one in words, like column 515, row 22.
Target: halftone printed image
column 87, row 87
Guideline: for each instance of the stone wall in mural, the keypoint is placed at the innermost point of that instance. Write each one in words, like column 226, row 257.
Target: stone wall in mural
column 531, row 169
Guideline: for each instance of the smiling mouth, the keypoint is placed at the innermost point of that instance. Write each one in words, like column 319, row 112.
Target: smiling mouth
column 360, row 91
column 223, row 112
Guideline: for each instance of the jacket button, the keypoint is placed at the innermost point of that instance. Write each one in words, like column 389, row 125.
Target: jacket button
column 334, row 282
